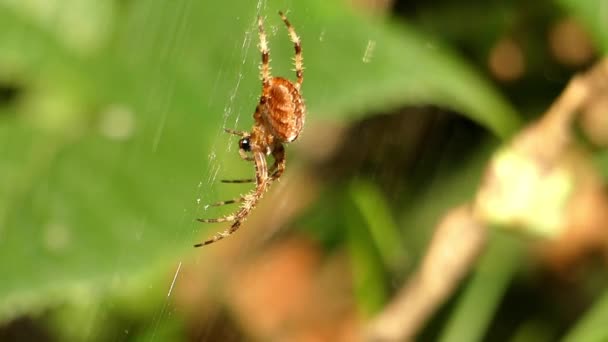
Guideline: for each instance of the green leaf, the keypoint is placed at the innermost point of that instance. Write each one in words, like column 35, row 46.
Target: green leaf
column 383, row 229
column 370, row 281
column 115, row 141
column 483, row 293
column 592, row 326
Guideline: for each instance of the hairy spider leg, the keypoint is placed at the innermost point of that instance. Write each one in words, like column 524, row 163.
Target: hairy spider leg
column 275, row 171
column 231, row 201
column 278, row 167
column 241, row 134
column 235, row 132
column 227, row 218
column 244, row 155
column 249, row 202
column 298, row 60
column 238, row 181
column 265, row 66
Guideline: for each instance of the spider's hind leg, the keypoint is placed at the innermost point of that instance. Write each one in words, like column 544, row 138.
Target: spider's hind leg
column 219, row 236
column 230, row 201
column 238, row 181
column 265, row 66
column 298, row 61
column 228, row 218
column 278, row 167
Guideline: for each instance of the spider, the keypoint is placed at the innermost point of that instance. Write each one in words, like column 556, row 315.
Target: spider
column 279, row 117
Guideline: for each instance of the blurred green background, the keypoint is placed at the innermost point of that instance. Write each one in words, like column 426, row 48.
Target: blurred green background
column 111, row 144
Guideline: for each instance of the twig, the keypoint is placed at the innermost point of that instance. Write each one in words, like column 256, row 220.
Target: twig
column 460, row 237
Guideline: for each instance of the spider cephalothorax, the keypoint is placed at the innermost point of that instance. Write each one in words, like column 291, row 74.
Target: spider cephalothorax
column 279, row 117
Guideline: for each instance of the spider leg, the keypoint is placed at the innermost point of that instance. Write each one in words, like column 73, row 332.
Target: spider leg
column 218, row 236
column 265, row 66
column 235, row 132
column 228, row 218
column 278, row 167
column 298, row 61
column 249, row 202
column 245, row 156
column 238, row 181
column 242, row 134
column 231, row 201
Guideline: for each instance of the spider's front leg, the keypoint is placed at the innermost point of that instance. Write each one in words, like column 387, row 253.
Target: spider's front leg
column 274, row 173
column 231, row 201
column 244, row 148
column 244, row 143
column 241, row 134
column 238, row 181
column 249, row 202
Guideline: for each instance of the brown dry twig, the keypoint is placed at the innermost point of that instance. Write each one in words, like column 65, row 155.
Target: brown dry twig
column 530, row 183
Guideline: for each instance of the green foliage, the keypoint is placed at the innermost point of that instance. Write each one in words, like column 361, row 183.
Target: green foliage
column 369, row 280
column 593, row 326
column 113, row 139
column 372, row 206
column 81, row 207
column 483, row 293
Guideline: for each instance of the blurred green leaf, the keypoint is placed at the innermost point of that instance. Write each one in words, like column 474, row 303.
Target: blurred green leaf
column 600, row 161
column 369, row 279
column 484, row 291
column 115, row 141
column 138, row 311
column 383, row 229
column 592, row 326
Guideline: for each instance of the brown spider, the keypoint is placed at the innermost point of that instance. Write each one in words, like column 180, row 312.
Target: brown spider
column 279, row 118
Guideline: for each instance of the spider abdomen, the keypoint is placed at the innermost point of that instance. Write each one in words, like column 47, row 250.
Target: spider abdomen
column 284, row 110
